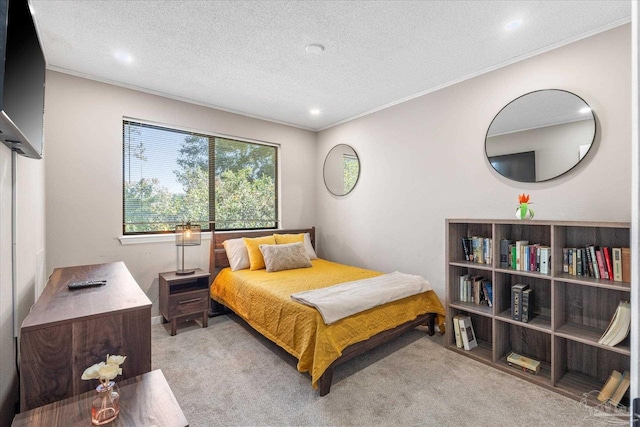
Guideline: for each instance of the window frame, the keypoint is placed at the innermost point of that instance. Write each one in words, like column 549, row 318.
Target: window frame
column 211, row 136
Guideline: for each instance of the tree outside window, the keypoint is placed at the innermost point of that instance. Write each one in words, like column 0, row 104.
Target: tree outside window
column 172, row 176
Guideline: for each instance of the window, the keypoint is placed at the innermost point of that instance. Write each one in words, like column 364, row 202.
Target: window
column 172, row 176
column 351, row 169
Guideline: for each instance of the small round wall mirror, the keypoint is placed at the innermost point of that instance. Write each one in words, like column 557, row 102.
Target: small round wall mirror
column 341, row 170
column 540, row 136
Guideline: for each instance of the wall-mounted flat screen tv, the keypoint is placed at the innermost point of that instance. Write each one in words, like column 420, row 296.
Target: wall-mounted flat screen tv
column 22, row 75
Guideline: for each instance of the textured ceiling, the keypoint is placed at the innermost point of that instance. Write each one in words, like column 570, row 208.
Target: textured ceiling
column 249, row 56
column 539, row 109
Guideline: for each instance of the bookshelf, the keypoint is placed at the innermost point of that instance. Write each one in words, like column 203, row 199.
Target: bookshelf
column 570, row 312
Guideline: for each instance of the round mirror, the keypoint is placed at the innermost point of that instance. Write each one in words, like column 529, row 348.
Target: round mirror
column 341, row 170
column 540, row 136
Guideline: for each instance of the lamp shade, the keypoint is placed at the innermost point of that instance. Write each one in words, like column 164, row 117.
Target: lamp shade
column 188, row 234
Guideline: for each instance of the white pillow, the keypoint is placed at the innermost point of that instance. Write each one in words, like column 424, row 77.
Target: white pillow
column 287, row 256
column 237, row 253
column 309, row 247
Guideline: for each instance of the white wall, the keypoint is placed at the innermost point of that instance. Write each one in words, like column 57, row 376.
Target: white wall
column 29, row 246
column 84, row 173
column 423, row 161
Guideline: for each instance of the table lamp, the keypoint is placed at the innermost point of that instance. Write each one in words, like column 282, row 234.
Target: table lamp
column 187, row 235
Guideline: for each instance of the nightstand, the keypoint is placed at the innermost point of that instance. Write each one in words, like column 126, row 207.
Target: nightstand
column 184, row 297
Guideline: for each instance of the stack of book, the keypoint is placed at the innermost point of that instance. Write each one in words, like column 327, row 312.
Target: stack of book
column 619, row 326
column 476, row 289
column 522, row 256
column 521, row 302
column 464, row 333
column 599, row 262
column 477, row 249
column 615, row 388
column 525, row 363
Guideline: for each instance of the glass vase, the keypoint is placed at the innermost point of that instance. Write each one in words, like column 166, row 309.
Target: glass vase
column 524, row 212
column 106, row 405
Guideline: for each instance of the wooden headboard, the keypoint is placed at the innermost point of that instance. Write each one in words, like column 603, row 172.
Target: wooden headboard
column 218, row 257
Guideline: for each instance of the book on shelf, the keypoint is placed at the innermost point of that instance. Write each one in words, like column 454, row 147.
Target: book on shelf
column 527, row 305
column 477, row 289
column 606, row 252
column 610, row 386
column 513, row 261
column 534, row 257
column 466, row 248
column 619, row 326
column 478, row 251
column 469, row 288
column 488, row 250
column 617, row 396
column 535, row 253
column 463, row 287
column 545, row 259
column 456, row 328
column 520, row 253
column 527, row 364
column 594, row 261
column 504, row 252
column 476, row 286
column 601, row 268
column 616, row 254
column 587, row 253
column 626, row 264
column 570, row 260
column 466, row 331
column 488, row 291
column 516, row 300
column 474, row 249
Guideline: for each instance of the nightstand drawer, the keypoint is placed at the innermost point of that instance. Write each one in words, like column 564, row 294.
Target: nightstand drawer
column 188, row 303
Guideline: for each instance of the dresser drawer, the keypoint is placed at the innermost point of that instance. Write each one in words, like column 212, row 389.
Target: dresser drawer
column 188, row 303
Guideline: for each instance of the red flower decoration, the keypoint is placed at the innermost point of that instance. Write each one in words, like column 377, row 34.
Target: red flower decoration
column 523, row 198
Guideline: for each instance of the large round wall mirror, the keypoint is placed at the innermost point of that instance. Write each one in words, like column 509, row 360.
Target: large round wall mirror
column 540, row 136
column 341, row 170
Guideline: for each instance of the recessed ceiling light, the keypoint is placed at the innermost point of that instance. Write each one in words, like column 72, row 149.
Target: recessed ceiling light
column 314, row 111
column 314, row 49
column 512, row 25
column 585, row 110
column 123, row 57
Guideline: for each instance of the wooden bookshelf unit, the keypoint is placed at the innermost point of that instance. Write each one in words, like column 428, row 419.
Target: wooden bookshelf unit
column 570, row 312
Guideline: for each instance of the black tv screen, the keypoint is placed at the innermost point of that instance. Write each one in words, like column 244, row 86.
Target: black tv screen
column 23, row 75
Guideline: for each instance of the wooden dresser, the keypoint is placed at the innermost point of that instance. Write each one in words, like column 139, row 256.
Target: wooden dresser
column 67, row 331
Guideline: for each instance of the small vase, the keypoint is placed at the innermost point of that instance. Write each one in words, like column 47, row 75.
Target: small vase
column 524, row 212
column 106, row 405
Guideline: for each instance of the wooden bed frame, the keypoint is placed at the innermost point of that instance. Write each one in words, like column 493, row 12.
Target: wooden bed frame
column 218, row 260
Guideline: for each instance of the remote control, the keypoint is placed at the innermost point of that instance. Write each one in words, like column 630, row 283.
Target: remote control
column 86, row 284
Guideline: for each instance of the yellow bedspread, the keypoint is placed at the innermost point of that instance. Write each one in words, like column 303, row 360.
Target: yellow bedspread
column 263, row 300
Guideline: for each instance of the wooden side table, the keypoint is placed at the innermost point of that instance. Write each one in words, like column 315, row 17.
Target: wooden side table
column 144, row 400
column 184, row 297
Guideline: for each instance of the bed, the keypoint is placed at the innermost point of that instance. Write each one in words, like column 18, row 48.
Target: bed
column 262, row 299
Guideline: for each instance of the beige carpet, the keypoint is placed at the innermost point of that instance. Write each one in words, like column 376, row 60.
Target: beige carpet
column 227, row 374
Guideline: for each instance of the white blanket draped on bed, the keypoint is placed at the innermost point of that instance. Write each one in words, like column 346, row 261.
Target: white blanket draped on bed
column 345, row 299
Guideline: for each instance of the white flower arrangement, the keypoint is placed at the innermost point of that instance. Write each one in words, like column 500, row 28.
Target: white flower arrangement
column 105, row 371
